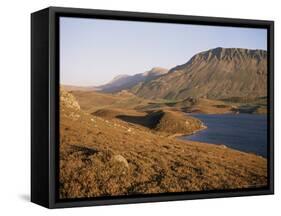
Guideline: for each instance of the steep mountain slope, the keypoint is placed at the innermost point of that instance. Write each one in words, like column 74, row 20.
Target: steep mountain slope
column 127, row 81
column 216, row 73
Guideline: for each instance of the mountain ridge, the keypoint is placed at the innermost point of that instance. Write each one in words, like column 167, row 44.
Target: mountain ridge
column 215, row 73
column 122, row 82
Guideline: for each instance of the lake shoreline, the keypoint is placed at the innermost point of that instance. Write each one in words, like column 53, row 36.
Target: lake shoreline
column 246, row 136
column 177, row 135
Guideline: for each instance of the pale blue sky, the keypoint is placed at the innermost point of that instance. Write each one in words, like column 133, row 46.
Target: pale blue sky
column 93, row 51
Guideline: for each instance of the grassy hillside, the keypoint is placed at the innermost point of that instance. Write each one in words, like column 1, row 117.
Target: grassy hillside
column 92, row 101
column 165, row 122
column 102, row 155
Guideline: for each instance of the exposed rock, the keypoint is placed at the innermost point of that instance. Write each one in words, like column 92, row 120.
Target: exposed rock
column 120, row 159
column 68, row 100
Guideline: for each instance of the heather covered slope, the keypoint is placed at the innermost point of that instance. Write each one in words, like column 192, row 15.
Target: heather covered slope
column 214, row 74
column 108, row 156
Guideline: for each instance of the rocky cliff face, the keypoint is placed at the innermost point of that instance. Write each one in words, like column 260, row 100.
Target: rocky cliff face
column 216, row 73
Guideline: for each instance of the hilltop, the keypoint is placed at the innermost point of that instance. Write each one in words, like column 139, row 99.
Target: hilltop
column 166, row 122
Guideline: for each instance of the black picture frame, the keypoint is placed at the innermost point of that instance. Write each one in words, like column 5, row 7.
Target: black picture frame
column 45, row 105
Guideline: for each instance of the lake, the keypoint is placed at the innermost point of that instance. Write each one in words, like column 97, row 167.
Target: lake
column 244, row 132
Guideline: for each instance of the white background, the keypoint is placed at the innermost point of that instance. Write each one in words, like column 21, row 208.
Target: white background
column 15, row 107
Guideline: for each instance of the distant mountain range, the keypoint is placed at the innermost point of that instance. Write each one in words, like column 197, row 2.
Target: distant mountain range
column 122, row 82
column 216, row 73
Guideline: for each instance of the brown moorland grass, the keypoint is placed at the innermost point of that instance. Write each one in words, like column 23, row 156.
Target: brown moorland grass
column 126, row 102
column 108, row 156
column 92, row 101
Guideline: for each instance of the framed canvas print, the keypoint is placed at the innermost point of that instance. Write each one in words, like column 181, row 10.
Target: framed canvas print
column 139, row 107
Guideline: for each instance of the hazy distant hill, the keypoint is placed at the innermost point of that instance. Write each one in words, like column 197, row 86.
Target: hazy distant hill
column 127, row 81
column 78, row 88
column 216, row 73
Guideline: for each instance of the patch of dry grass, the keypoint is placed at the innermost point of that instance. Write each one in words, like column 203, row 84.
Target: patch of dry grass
column 102, row 157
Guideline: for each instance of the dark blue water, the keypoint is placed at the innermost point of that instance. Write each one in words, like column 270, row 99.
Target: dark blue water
column 244, row 132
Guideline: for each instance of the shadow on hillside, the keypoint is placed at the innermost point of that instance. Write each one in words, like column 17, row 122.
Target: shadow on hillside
column 150, row 120
column 84, row 150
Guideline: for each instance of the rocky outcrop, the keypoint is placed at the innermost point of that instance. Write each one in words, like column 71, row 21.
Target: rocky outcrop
column 67, row 100
column 120, row 159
